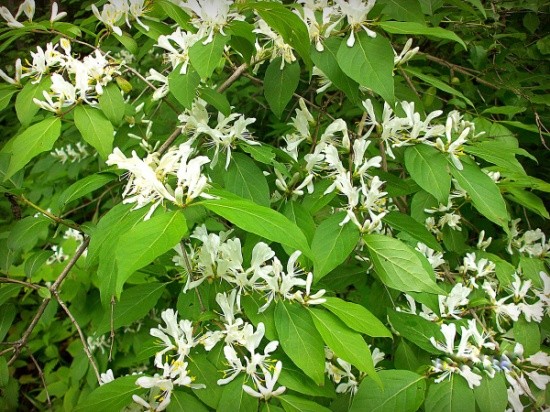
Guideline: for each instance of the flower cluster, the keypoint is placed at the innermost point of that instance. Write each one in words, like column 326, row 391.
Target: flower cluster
column 176, row 177
column 28, row 8
column 115, row 12
column 70, row 153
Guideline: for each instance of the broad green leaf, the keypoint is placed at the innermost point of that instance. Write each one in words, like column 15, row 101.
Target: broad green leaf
column 327, row 62
column 34, row 262
column 528, row 334
column 491, row 395
column 332, row 244
column 300, row 340
column 4, row 372
column 398, row 266
column 291, row 27
column 127, row 41
column 357, row 317
column 404, row 223
column 497, row 154
column 400, row 391
column 484, row 192
column 503, row 269
column 5, row 96
column 451, row 395
column 185, row 402
column 184, row 86
column 300, row 215
column 218, row 100
column 134, row 304
column 84, row 187
column 438, row 84
column 280, row 84
column 95, row 128
column 429, row 168
column 343, row 341
column 206, row 57
column 530, row 269
column 416, row 330
column 528, row 200
column 112, row 104
column 8, row 290
column 246, row 180
column 25, row 233
column 207, row 374
column 235, row 399
column 478, row 5
column 176, row 13
column 294, row 379
column 38, row 138
column 370, row 63
column 146, row 241
column 403, row 10
column 251, row 304
column 112, row 396
column 261, row 221
column 25, row 108
column 398, row 27
column 409, row 357
column 292, row 403
column 7, row 315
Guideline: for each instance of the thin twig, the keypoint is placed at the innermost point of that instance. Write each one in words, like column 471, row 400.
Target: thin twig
column 19, row 282
column 152, row 86
column 79, row 330
column 17, row 345
column 41, row 375
column 50, row 215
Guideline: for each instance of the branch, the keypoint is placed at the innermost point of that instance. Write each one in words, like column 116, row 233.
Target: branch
column 50, row 215
column 19, row 282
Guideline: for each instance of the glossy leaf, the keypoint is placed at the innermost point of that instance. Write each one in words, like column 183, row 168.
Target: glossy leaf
column 280, row 84
column 235, row 399
column 38, row 138
column 114, row 395
column 370, row 63
column 416, row 330
column 293, row 403
column 95, row 128
column 491, row 395
column 206, row 57
column 404, row 223
column 26, row 232
column 333, row 243
column 84, row 187
column 300, row 340
column 184, row 402
column 398, row 266
column 357, row 317
column 400, row 391
column 246, row 180
column 429, row 168
column 146, row 241
column 451, row 395
column 25, row 108
column 398, row 27
column 184, row 86
column 112, row 104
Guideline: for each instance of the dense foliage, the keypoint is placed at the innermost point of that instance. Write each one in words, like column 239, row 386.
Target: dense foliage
column 265, row 206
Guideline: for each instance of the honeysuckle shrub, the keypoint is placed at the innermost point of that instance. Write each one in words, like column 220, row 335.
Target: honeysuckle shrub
column 266, row 206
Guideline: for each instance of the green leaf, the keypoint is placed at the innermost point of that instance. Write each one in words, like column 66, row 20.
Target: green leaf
column 343, row 341
column 403, row 10
column 26, row 232
column 398, row 27
column 294, row 379
column 25, row 108
column 7, row 315
column 206, row 57
column 528, row 334
column 484, row 192
column 416, row 330
column 429, row 168
column 5, row 96
column 401, row 391
column 160, row 234
column 291, row 27
column 84, row 187
column 333, row 243
column 404, row 223
column 184, row 86
column 261, row 221
column 398, row 266
column 370, row 63
column 300, row 215
column 491, row 395
column 251, row 305
column 38, row 138
column 235, row 399
column 218, row 100
column 176, row 13
column 207, row 374
column 292, row 403
column 95, row 128
column 528, row 200
column 300, row 340
column 438, row 84
column 451, row 395
column 327, row 62
column 8, row 291
column 112, row 104
column 185, row 402
column 4, row 372
column 246, row 180
column 112, row 396
column 357, row 317
column 280, row 84
column 135, row 303
column 495, row 153
column 34, row 262
column 128, row 42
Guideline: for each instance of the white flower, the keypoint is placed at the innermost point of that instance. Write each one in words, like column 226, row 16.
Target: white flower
column 28, row 8
column 111, row 14
column 209, row 16
column 539, row 359
column 356, row 13
column 406, row 54
column 266, row 390
column 106, row 377
column 473, row 379
column 8, row 17
column 56, row 16
column 17, row 75
column 178, row 54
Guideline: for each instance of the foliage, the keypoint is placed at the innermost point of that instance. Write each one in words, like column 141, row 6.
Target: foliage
column 310, row 206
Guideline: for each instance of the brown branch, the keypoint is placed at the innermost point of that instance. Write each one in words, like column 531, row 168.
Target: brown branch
column 41, row 375
column 17, row 345
column 50, row 215
column 55, row 293
column 19, row 282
